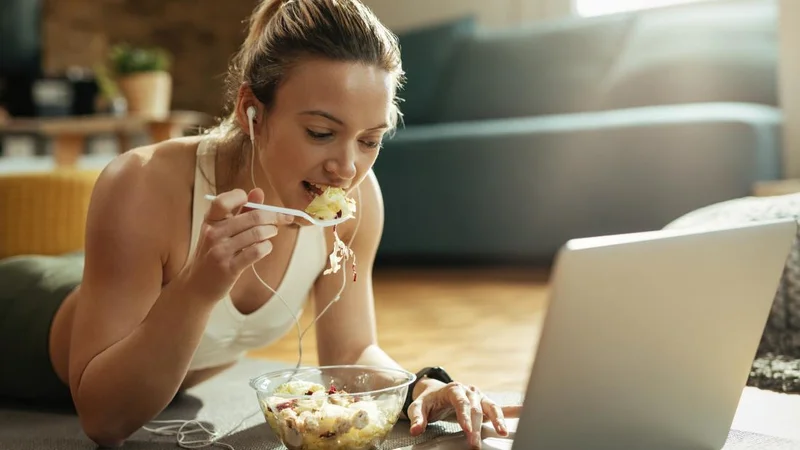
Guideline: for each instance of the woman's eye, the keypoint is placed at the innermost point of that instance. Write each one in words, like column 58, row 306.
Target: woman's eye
column 371, row 144
column 315, row 135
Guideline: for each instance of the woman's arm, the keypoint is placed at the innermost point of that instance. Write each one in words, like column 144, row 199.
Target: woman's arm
column 346, row 333
column 132, row 342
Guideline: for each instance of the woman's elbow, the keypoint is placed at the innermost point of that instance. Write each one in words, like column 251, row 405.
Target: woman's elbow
column 104, row 438
column 103, row 430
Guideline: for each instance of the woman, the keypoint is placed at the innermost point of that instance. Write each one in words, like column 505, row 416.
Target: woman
column 171, row 292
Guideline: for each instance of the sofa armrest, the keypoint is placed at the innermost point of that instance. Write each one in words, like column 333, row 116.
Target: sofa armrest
column 520, row 187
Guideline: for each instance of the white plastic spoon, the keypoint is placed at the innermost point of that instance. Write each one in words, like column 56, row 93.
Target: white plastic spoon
column 293, row 212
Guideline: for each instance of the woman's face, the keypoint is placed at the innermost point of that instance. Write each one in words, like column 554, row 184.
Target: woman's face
column 325, row 127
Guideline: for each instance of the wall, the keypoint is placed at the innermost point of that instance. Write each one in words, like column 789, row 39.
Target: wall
column 203, row 34
column 789, row 74
column 403, row 14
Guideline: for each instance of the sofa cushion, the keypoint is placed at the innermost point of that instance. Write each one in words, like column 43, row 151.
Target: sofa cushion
column 541, row 68
column 426, row 53
column 705, row 52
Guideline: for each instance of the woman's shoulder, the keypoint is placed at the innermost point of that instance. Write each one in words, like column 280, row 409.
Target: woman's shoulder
column 158, row 158
column 150, row 184
column 163, row 169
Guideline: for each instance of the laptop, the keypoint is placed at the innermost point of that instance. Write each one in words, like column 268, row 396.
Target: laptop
column 648, row 338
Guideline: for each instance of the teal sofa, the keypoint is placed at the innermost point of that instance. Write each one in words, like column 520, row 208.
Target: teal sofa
column 517, row 139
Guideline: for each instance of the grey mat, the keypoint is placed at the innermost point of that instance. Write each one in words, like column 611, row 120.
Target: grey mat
column 223, row 402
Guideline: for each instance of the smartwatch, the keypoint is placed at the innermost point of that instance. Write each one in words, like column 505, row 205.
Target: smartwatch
column 434, row 373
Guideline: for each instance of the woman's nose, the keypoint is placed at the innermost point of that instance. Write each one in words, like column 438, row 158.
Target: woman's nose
column 344, row 164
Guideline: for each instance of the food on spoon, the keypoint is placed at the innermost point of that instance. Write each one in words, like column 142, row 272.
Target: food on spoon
column 340, row 252
column 329, row 202
column 325, row 419
column 332, row 203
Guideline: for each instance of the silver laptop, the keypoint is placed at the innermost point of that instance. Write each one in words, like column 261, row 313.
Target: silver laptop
column 648, row 338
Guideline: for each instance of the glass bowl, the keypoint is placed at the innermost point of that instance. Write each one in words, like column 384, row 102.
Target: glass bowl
column 332, row 407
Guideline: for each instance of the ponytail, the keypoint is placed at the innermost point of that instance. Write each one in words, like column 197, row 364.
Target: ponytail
column 259, row 20
column 243, row 59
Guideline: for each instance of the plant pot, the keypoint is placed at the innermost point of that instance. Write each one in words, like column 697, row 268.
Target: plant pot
column 149, row 94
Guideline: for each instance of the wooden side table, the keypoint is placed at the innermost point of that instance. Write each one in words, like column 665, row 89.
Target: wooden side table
column 776, row 187
column 69, row 134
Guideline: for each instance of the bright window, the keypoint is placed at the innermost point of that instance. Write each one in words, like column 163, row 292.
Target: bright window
column 600, row 7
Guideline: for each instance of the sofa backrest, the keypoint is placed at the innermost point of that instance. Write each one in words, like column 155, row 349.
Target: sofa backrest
column 536, row 69
column 714, row 51
column 427, row 53
column 708, row 52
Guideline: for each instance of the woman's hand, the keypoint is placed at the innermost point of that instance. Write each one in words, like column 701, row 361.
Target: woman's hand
column 438, row 400
column 232, row 238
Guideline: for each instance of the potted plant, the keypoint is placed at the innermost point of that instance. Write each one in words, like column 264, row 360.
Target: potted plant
column 143, row 76
column 110, row 98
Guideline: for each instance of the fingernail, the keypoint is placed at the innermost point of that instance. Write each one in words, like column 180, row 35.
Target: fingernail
column 287, row 217
column 476, row 440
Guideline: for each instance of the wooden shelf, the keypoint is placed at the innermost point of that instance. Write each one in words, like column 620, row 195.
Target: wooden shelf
column 69, row 134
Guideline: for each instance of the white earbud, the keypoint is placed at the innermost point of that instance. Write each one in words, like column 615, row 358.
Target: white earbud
column 251, row 117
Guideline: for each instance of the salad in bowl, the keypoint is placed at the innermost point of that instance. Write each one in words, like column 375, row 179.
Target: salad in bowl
column 332, row 407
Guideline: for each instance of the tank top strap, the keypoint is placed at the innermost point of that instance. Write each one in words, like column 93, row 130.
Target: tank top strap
column 204, row 183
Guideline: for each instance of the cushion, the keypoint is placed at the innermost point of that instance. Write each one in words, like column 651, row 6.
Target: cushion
column 705, row 52
column 535, row 69
column 426, row 54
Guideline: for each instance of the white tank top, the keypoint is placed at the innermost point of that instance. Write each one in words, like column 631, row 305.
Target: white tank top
column 229, row 333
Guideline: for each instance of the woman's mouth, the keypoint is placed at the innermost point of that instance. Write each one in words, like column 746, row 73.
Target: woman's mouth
column 313, row 189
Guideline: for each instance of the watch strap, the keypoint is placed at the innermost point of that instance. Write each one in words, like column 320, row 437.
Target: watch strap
column 434, row 373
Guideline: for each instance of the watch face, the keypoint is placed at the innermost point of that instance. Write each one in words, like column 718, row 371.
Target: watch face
column 437, row 373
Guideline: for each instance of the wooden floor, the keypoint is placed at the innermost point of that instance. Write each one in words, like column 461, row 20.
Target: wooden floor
column 481, row 324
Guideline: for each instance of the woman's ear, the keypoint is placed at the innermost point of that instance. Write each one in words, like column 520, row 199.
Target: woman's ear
column 247, row 110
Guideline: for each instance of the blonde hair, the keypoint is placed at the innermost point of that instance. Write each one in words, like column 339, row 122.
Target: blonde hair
column 283, row 32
